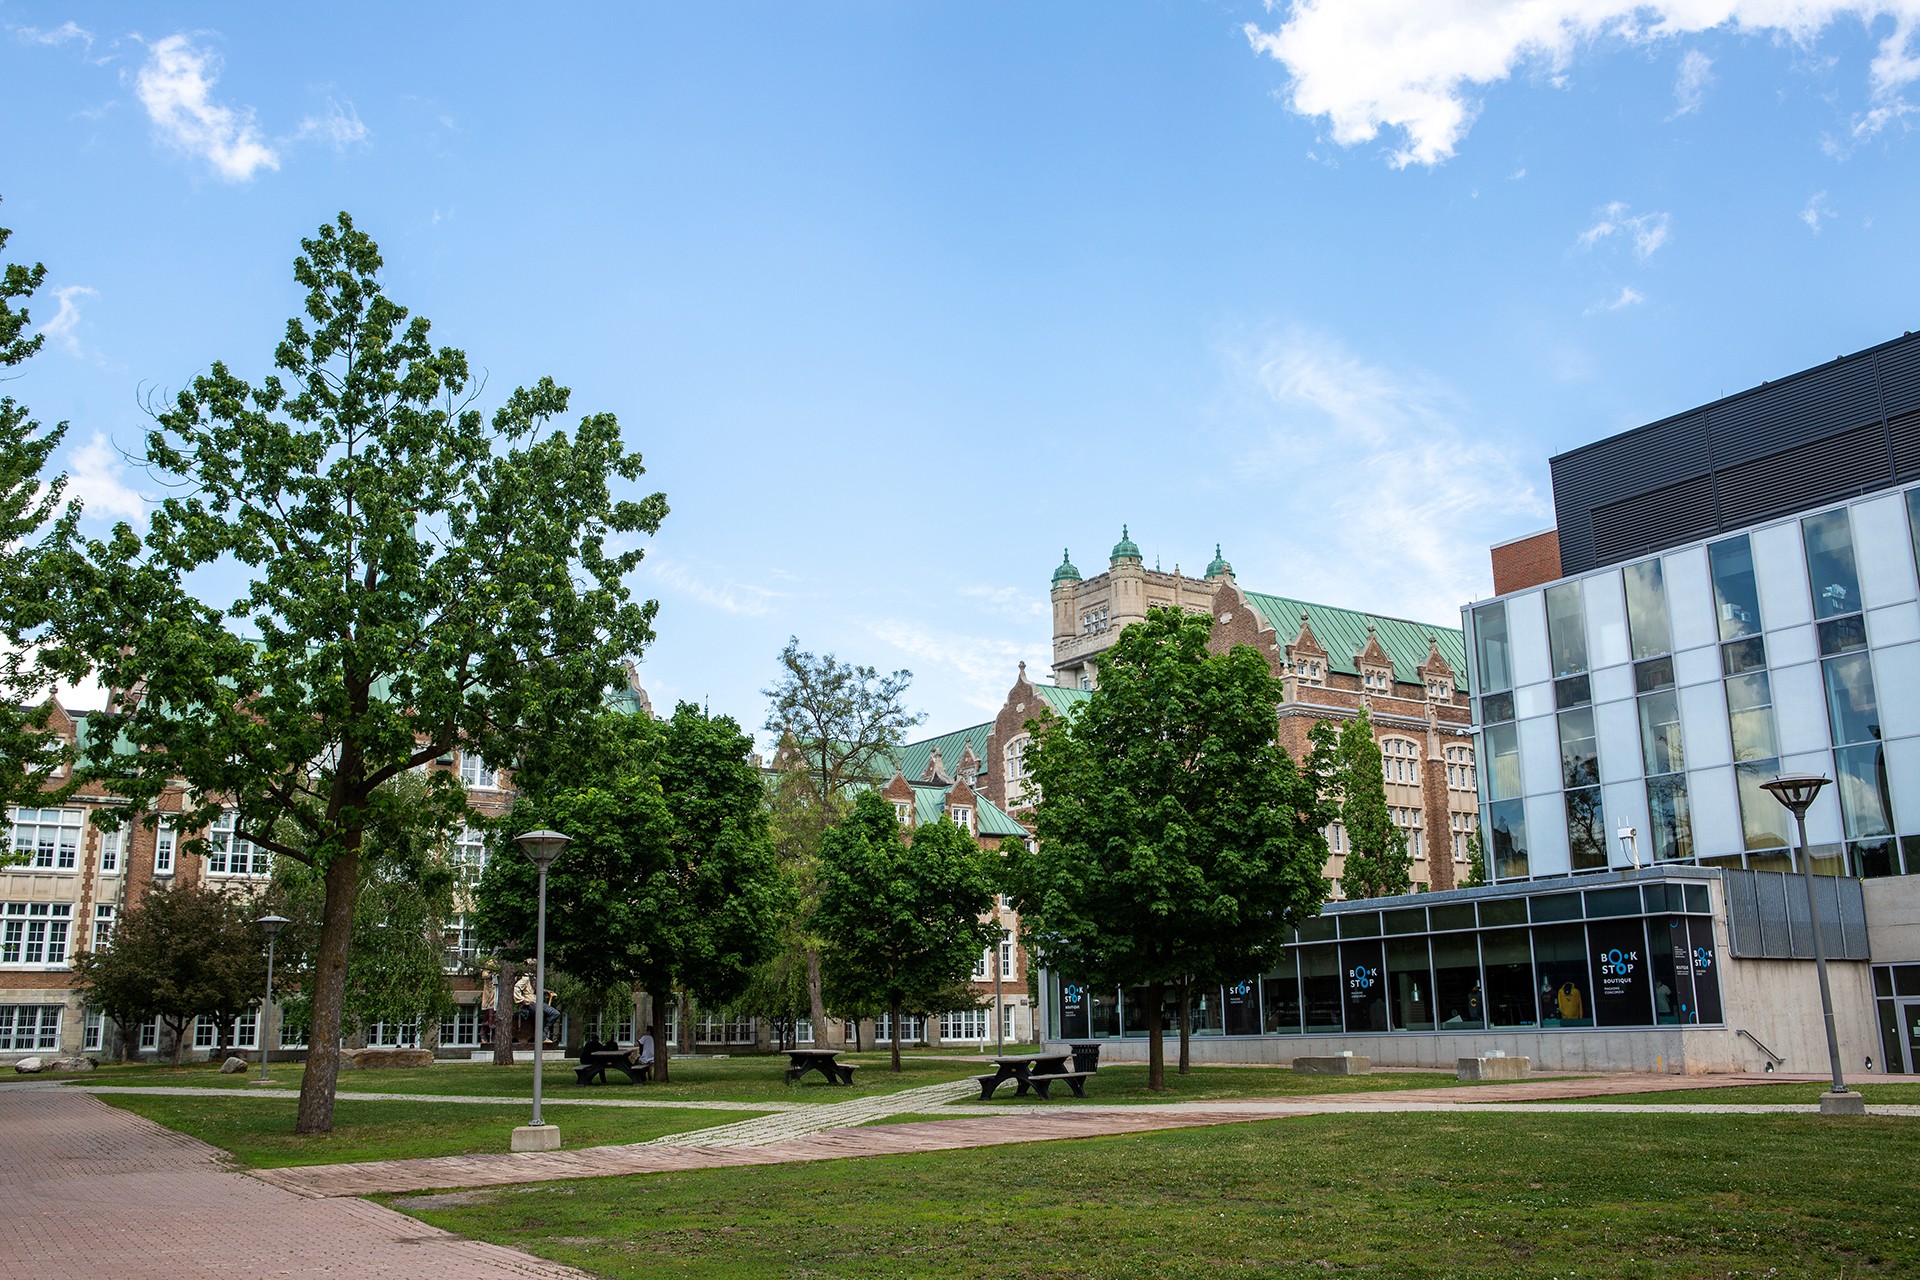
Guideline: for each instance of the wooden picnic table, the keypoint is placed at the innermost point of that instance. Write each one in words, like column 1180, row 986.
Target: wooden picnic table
column 1026, row 1068
column 825, row 1061
column 596, row 1058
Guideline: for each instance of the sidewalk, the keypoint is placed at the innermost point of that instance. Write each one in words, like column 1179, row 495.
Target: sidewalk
column 93, row 1191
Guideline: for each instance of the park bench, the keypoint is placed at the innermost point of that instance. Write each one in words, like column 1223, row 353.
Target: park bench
column 596, row 1058
column 1038, row 1071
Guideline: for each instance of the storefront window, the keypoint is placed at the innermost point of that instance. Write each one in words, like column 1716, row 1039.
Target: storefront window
column 1490, row 639
column 1507, row 959
column 1410, row 984
column 1321, row 987
column 1566, row 629
column 1457, row 997
column 1647, row 609
column 1240, row 1007
column 1560, row 970
column 1074, row 1023
column 1280, row 997
column 1622, row 990
column 1103, row 1005
column 1204, row 1010
column 1736, row 594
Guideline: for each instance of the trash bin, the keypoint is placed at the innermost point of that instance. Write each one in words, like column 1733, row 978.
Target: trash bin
column 1086, row 1057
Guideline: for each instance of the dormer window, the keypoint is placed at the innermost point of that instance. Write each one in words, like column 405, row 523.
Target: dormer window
column 962, row 817
column 1439, row 690
column 1376, row 680
column 903, row 811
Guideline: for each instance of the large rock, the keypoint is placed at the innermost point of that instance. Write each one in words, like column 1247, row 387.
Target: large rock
column 233, row 1066
column 72, row 1064
column 28, row 1066
column 379, row 1059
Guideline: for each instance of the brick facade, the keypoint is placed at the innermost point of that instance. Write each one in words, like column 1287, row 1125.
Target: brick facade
column 1526, row 562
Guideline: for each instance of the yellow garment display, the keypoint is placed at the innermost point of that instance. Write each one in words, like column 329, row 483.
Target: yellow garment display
column 1570, row 1002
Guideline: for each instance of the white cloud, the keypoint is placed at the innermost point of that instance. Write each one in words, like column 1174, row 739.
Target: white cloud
column 65, row 325
column 1648, row 231
column 338, row 127
column 66, row 31
column 175, row 86
column 729, row 597
column 1627, row 297
column 1396, row 498
column 1690, row 86
column 981, row 668
column 94, row 476
column 1418, row 66
column 1818, row 210
column 1013, row 602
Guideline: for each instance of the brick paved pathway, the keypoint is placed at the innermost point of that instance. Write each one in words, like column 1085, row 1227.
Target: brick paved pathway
column 90, row 1190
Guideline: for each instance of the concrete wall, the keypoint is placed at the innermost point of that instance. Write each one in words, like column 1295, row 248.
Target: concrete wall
column 1893, row 918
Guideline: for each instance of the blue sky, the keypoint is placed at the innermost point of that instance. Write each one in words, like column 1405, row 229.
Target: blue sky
column 900, row 299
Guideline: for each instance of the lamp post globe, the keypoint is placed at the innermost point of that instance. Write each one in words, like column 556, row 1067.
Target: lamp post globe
column 541, row 848
column 1797, row 792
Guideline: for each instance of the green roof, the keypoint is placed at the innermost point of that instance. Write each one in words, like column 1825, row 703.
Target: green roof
column 1126, row 548
column 913, row 757
column 994, row 820
column 1066, row 572
column 1060, row 699
column 1343, row 633
column 1219, row 565
column 930, row 805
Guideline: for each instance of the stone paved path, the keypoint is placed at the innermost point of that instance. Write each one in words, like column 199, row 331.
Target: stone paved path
column 90, row 1190
column 801, row 1122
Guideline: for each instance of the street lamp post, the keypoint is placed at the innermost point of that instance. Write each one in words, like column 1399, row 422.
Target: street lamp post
column 1797, row 791
column 542, row 847
column 271, row 926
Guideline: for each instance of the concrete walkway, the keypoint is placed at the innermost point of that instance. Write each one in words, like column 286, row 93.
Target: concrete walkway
column 93, row 1191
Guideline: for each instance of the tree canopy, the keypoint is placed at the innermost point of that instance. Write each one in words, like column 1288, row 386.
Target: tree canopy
column 1175, row 836
column 902, row 922
column 417, row 578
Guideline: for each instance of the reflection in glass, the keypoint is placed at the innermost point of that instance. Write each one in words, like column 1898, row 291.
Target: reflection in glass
column 1866, row 807
column 1104, row 1003
column 1736, row 594
column 1660, row 743
column 1280, row 996
column 1410, row 984
column 1654, row 673
column 1566, row 629
column 1574, row 691
column 1672, row 825
column 1830, row 570
column 1458, row 999
column 1763, row 820
column 1496, row 707
column 1750, row 715
column 1320, row 987
column 1508, row 836
column 1586, row 830
column 1843, row 635
column 1647, row 609
column 1875, row 858
column 1508, row 961
column 1579, row 757
column 1503, row 761
column 1852, row 709
column 1490, row 638
column 1743, row 655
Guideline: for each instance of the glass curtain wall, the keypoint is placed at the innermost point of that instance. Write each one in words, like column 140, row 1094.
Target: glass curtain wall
column 1663, row 750
column 1506, row 824
column 1749, row 692
column 1853, row 709
column 1579, row 750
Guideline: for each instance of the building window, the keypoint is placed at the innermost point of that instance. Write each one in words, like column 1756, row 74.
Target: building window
column 903, row 811
column 475, row 773
column 724, row 1030
column 93, row 1031
column 394, row 1035
column 46, row 839
column 109, row 852
column 148, row 1034
column 34, row 933
column 1647, row 609
column 913, row 1029
column 983, row 967
column 242, row 1034
column 964, row 1024
column 1507, row 828
column 1490, row 644
column 1459, row 768
column 1400, row 760
column 1440, row 690
column 25, row 1027
column 460, row 943
column 229, row 855
column 103, row 914
column 470, row 855
column 1830, row 568
column 1736, row 592
column 1566, row 629
column 1007, row 955
column 1462, row 826
column 1086, row 682
column 460, row 1028
column 1376, row 681
column 164, row 840
column 962, row 817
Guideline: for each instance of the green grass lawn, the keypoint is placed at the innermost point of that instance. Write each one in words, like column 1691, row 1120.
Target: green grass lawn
column 1641, row 1196
column 744, row 1079
column 259, row 1132
column 1886, row 1093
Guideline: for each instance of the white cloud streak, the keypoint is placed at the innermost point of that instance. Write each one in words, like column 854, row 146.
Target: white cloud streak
column 95, row 476
column 982, row 668
column 65, row 325
column 175, row 85
column 1418, row 67
column 1818, row 210
column 1627, row 297
column 338, row 127
column 62, row 34
column 1647, row 231
column 1398, row 501
column 740, row 599
column 1690, row 86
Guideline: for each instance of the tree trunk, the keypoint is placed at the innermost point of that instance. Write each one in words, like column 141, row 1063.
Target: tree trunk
column 824, row 1036
column 660, row 1054
column 893, row 1009
column 503, row 1014
column 329, row 994
column 1186, row 1024
column 179, row 1037
column 1156, row 1052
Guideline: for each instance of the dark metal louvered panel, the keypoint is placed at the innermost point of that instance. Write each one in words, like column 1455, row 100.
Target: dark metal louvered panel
column 1649, row 459
column 1649, row 521
column 1900, row 377
column 1904, row 431
column 1794, row 479
column 1802, row 409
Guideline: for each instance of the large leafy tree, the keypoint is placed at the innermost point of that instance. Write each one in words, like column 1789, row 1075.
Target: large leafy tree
column 1377, row 863
column 836, row 725
column 30, row 511
column 903, row 922
column 417, row 578
column 179, row 953
column 1175, row 836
